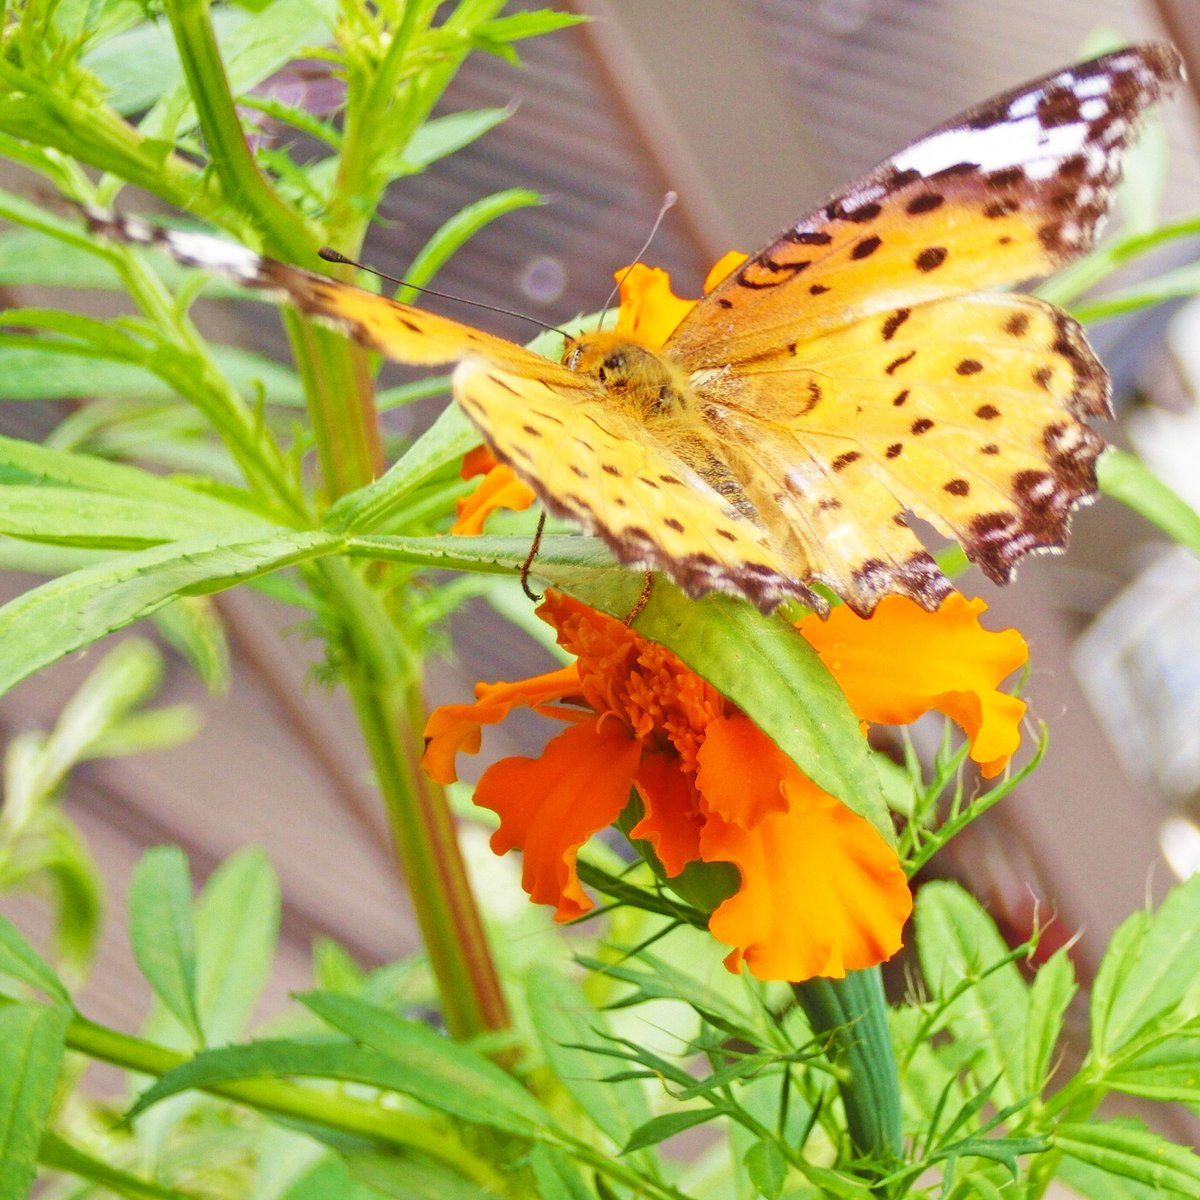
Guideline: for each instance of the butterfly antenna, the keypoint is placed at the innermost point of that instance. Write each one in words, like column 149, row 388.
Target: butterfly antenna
column 669, row 201
column 336, row 256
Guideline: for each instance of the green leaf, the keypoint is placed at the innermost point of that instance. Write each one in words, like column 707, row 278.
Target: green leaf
column 96, row 520
column 1049, row 995
column 62, row 1156
column 31, row 1046
column 1127, row 479
column 329, row 1178
column 556, row 1176
column 1166, row 1072
column 526, row 25
column 442, row 136
column 458, row 230
column 564, row 1023
column 444, row 442
column 438, row 1072
column 766, row 1167
column 53, row 372
column 1130, row 1152
column 42, row 625
column 192, row 627
column 19, row 961
column 1156, row 964
column 446, row 1077
column 658, row 1129
column 237, row 925
column 1096, row 1183
column 959, row 943
column 162, row 933
column 91, row 474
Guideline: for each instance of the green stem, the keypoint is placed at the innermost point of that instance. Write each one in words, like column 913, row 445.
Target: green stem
column 851, row 1016
column 336, row 375
column 284, row 232
column 384, row 686
column 332, row 1110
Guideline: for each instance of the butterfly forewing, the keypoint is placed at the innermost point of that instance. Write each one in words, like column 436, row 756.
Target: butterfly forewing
column 854, row 373
column 1005, row 193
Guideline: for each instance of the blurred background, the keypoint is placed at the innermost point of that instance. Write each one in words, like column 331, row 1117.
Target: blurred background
column 752, row 112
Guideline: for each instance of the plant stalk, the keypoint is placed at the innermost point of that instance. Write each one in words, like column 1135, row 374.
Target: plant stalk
column 850, row 1016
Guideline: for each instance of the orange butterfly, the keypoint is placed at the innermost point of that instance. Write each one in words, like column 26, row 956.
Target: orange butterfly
column 851, row 371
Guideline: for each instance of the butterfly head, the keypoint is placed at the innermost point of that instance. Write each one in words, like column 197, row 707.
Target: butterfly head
column 636, row 379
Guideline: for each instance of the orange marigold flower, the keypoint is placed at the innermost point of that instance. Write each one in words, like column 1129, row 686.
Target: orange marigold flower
column 821, row 892
column 648, row 314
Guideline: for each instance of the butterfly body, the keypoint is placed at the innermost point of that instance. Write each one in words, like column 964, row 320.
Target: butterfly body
column 854, row 370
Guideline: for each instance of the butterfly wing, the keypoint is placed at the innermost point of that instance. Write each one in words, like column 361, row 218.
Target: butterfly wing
column 551, row 425
column 1006, row 192
column 641, row 495
column 851, row 373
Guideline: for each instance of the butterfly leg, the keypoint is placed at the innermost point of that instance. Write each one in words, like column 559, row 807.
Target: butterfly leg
column 528, row 563
column 633, row 614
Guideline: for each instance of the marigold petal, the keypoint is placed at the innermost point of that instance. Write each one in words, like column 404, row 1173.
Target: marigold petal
column 821, row 894
column 741, row 771
column 649, row 310
column 550, row 806
column 477, row 462
column 728, row 262
column 672, row 820
column 903, row 662
column 452, row 728
column 499, row 488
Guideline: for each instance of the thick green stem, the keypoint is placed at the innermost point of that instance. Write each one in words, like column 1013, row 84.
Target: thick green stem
column 334, row 1110
column 851, row 1016
column 384, row 687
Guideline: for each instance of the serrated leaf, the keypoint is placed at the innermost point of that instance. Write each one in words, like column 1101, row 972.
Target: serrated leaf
column 564, row 1021
column 101, row 521
column 162, row 933
column 438, row 1072
column 957, row 941
column 1132, row 1153
column 451, row 1081
column 1127, row 479
column 1163, row 963
column 767, row 1168
column 32, row 1037
column 1049, row 995
column 1169, row 1071
column 19, row 961
column 47, row 622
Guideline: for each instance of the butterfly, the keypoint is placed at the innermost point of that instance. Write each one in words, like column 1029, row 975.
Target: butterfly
column 854, row 370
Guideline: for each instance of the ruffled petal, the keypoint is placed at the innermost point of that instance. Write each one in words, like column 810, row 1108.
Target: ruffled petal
column 499, row 488
column 821, row 894
column 741, row 771
column 903, row 662
column 456, row 727
column 550, row 806
column 672, row 820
